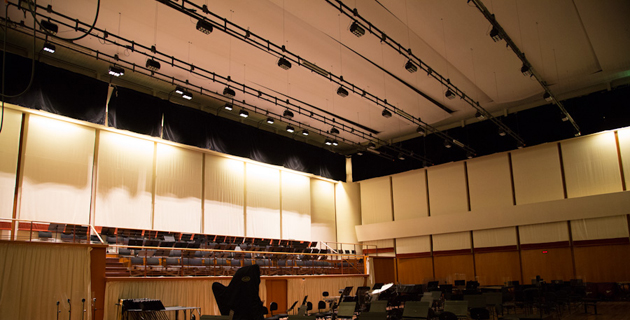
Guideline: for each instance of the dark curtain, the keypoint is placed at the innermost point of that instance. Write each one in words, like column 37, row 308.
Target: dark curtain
column 135, row 111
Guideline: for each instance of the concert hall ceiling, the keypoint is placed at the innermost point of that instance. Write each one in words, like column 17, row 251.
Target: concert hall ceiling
column 368, row 75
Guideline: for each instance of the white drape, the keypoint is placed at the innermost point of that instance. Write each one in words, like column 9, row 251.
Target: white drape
column 178, row 189
column 296, row 206
column 494, row 237
column 124, row 181
column 263, row 201
column 57, row 183
column 451, row 241
column 490, row 182
column 34, row 277
column 224, row 196
column 413, row 244
column 348, row 209
column 410, row 195
column 591, row 165
column 376, row 200
column 322, row 210
column 624, row 151
column 9, row 148
column 537, row 174
column 544, row 232
column 447, row 189
column 599, row 228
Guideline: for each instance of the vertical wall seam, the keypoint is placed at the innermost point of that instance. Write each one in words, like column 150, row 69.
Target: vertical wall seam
column 154, row 177
column 623, row 178
column 564, row 180
column 572, row 251
column 426, row 183
column 467, row 184
column 512, row 178
column 520, row 256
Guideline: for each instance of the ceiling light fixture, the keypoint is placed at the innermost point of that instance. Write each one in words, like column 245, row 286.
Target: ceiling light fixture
column 116, row 71
column 270, row 120
column 547, row 97
column 229, row 92
column 328, row 142
column 284, row 63
column 401, row 156
column 342, row 92
column 564, row 117
column 502, row 132
column 290, row 129
column 356, row 29
column 334, row 130
column 447, row 144
column 180, row 90
column 495, row 34
column 204, row 26
column 305, row 132
column 411, row 67
column 526, row 70
column 243, row 113
column 449, row 94
column 49, row 47
column 288, row 114
column 187, row 95
column 420, row 131
column 386, row 113
column 49, row 27
column 371, row 145
column 469, row 155
column 480, row 116
column 153, row 65
column 228, row 107
column 335, row 143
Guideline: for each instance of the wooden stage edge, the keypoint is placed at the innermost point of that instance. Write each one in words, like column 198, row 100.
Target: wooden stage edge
column 113, row 279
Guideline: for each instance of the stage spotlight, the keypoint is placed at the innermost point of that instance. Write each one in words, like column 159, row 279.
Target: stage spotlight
column 305, row 132
column 229, row 92
column 243, row 113
column 411, row 67
column 284, row 63
column 228, row 107
column 270, row 120
column 447, row 144
column 153, row 65
column 386, row 113
column 334, row 131
column 290, row 129
column 342, row 92
column 288, row 114
column 449, row 94
column 547, row 97
column 49, row 27
column 204, row 26
column 356, row 29
column 495, row 35
column 420, row 131
column 328, row 142
column 180, row 90
column 480, row 116
column 335, row 143
column 116, row 71
column 187, row 95
column 49, row 47
column 526, row 70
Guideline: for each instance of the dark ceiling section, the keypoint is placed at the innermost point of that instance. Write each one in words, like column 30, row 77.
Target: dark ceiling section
column 65, row 93
column 596, row 112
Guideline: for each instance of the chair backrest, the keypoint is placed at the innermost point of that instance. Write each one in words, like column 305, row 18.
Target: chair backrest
column 273, row 307
column 459, row 308
column 446, row 315
column 321, row 305
column 346, row 310
column 378, row 306
column 416, row 309
column 479, row 313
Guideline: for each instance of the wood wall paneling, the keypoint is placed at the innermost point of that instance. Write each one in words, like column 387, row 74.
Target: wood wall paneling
column 602, row 263
column 384, row 270
column 276, row 292
column 97, row 272
column 556, row 264
column 496, row 268
column 454, row 267
column 415, row 270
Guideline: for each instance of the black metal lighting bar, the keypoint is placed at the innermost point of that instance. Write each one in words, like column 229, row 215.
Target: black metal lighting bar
column 247, row 36
column 503, row 35
column 414, row 63
column 153, row 53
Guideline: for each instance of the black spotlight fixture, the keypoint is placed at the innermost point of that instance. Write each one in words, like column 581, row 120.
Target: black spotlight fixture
column 502, row 132
column 187, row 95
column 356, row 29
column 328, row 142
column 480, row 116
column 305, row 132
column 495, row 35
column 228, row 107
column 270, row 120
column 526, row 70
column 371, row 145
column 469, row 155
column 334, row 131
column 342, row 92
column 449, row 94
column 229, row 92
column 116, row 71
column 335, row 143
column 49, row 47
column 153, row 65
column 284, row 63
column 411, row 67
column 49, row 27
column 288, row 114
column 420, row 131
column 290, row 129
column 401, row 156
column 386, row 113
column 547, row 97
column 204, row 26
column 180, row 90
column 447, row 144
column 243, row 113
column 564, row 117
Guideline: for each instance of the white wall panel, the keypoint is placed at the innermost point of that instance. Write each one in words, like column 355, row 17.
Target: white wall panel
column 376, row 201
column 323, row 210
column 410, row 195
column 544, row 232
column 413, row 245
column 296, row 206
column 494, row 237
column 451, row 241
column 348, row 210
column 537, row 174
column 263, row 201
column 490, row 182
column 447, row 189
column 224, row 199
column 591, row 165
column 9, row 149
column 178, row 189
column 124, row 181
column 599, row 228
column 57, row 184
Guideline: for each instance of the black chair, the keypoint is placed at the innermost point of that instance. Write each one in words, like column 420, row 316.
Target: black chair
column 447, row 316
column 479, row 313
